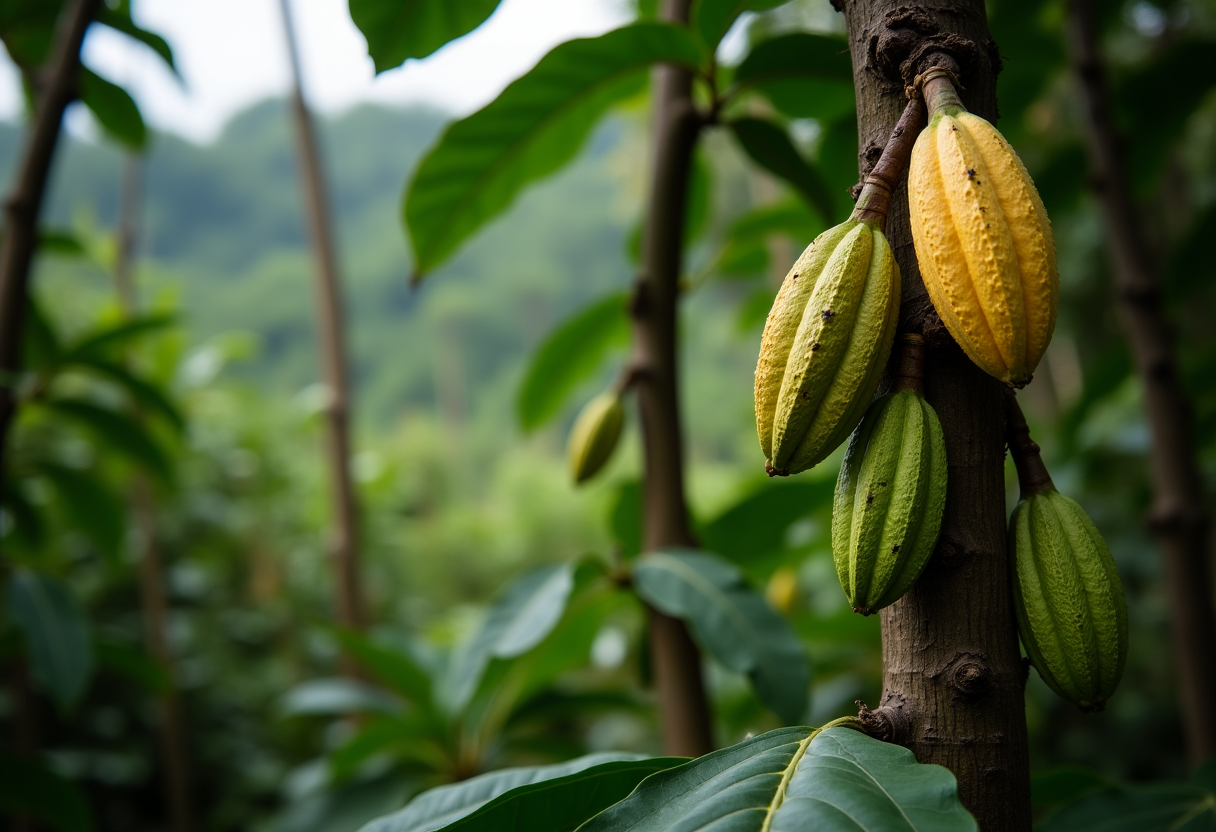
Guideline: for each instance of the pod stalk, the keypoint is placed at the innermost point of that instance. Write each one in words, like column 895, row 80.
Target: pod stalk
column 875, row 198
column 1032, row 473
column 910, row 375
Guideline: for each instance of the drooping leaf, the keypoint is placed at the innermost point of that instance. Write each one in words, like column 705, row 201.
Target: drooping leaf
column 519, row 620
column 115, row 109
column 56, row 633
column 114, row 430
column 771, row 148
column 394, row 668
column 793, row 780
column 571, row 353
column 397, row 30
column 28, row 787
column 756, row 525
column 532, row 129
column 144, row 393
column 712, row 19
column 103, row 341
column 119, row 19
column 553, row 798
column 337, row 697
column 732, row 622
column 90, row 504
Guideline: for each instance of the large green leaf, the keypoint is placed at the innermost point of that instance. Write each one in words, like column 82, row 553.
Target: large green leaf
column 142, row 392
column 519, row 620
column 1155, row 808
column 532, row 129
column 90, row 505
column 756, row 525
column 397, row 30
column 56, row 633
column 803, row 75
column 571, row 353
column 771, row 148
column 114, row 108
column 732, row 622
column 27, row 787
column 394, row 668
column 554, row 798
column 712, row 19
column 115, row 430
column 795, row 780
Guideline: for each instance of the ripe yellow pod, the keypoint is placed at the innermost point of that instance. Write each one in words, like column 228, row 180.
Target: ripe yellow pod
column 982, row 237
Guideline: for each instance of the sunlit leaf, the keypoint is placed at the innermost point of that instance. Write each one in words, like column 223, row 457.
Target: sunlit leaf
column 397, row 30
column 795, row 780
column 556, row 797
column 571, row 353
column 712, row 19
column 518, row 621
column 115, row 109
column 28, row 787
column 770, row 147
column 56, row 633
column 732, row 622
column 532, row 129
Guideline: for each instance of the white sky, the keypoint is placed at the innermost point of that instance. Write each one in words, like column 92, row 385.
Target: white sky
column 232, row 54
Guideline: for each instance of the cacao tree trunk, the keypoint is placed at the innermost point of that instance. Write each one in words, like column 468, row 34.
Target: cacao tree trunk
column 1179, row 517
column 953, row 679
column 675, row 659
column 344, row 544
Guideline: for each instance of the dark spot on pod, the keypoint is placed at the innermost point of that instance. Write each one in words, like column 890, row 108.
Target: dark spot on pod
column 895, row 548
column 795, row 277
column 883, row 484
column 870, row 498
column 814, row 347
column 970, row 173
column 827, row 314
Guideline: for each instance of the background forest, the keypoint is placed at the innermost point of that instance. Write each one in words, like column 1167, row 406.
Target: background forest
column 460, row 464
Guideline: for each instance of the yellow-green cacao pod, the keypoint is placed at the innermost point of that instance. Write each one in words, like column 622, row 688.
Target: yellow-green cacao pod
column 889, row 500
column 1068, row 599
column 983, row 242
column 594, row 436
column 825, row 344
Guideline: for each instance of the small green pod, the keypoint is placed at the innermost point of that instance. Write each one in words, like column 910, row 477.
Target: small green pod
column 594, row 436
column 890, row 496
column 1072, row 616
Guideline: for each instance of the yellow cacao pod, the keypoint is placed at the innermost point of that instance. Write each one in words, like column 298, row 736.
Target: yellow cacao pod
column 825, row 344
column 594, row 436
column 1069, row 602
column 889, row 500
column 983, row 240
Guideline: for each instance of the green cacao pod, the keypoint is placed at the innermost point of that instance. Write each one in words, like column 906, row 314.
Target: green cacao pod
column 594, row 436
column 889, row 500
column 1071, row 613
column 825, row 344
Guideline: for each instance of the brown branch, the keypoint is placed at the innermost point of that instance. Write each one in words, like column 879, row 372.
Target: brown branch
column 1179, row 517
column 1032, row 473
column 875, row 198
column 676, row 661
column 24, row 202
column 345, row 542
column 970, row 719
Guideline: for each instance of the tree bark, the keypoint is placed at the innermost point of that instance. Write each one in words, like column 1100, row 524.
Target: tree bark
column 24, row 203
column 1179, row 517
column 676, row 661
column 954, row 679
column 345, row 543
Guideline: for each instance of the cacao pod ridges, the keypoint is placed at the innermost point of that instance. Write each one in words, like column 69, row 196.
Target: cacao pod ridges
column 595, row 435
column 983, row 239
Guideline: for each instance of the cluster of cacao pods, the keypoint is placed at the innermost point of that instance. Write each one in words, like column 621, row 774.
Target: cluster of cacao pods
column 985, row 250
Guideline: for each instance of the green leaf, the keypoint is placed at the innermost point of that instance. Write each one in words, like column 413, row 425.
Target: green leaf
column 56, row 633
column 794, row 780
column 114, row 430
column 132, row 663
column 406, row 738
column 756, row 525
column 771, row 148
column 120, row 20
column 395, row 669
column 836, row 160
column 28, row 787
column 1179, row 808
column 571, row 353
column 712, row 19
column 625, row 518
column 519, row 620
column 103, row 341
column 532, row 129
column 732, row 622
column 336, row 697
column 59, row 241
column 397, row 30
column 91, row 506
column 1064, row 784
column 42, row 343
column 344, row 807
column 552, row 798
column 797, row 56
column 115, row 109
column 143, row 393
